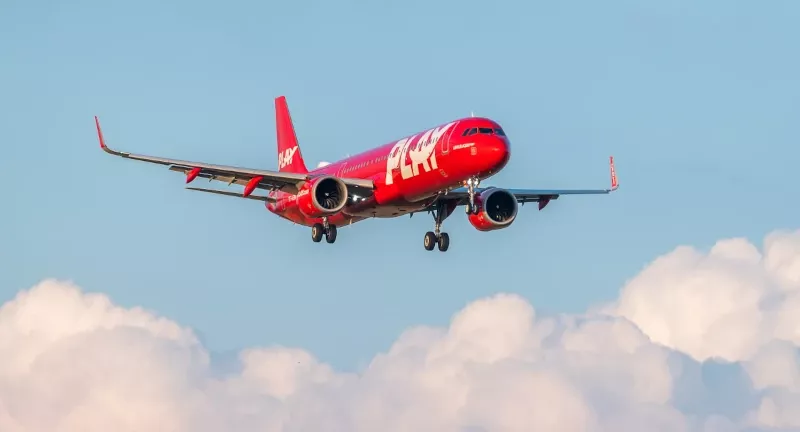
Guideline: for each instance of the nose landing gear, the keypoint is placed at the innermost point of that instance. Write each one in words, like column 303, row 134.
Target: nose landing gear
column 472, row 183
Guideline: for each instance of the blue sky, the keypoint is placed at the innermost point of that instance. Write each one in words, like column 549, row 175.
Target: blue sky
column 699, row 104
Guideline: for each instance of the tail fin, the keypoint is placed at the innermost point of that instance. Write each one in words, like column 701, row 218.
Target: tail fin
column 290, row 159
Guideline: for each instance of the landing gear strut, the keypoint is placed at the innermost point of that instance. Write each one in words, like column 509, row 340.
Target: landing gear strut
column 472, row 183
column 318, row 229
column 441, row 239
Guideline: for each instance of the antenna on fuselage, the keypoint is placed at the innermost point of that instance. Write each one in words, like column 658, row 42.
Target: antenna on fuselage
column 472, row 113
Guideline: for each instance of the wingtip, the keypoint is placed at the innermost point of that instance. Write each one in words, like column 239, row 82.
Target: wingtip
column 102, row 140
column 100, row 133
column 614, row 181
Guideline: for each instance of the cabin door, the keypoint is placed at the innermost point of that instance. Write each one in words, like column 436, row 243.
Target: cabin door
column 444, row 143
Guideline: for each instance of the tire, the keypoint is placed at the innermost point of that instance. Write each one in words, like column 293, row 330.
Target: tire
column 317, row 230
column 429, row 241
column 330, row 236
column 444, row 242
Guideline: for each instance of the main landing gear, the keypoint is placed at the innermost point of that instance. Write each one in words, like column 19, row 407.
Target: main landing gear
column 438, row 238
column 318, row 229
column 472, row 183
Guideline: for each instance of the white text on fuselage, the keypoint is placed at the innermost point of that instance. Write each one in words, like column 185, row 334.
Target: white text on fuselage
column 423, row 153
column 463, row 146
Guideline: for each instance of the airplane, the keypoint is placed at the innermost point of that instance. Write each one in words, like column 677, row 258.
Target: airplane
column 433, row 171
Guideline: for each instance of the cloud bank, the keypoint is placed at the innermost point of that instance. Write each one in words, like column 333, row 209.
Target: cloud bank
column 701, row 341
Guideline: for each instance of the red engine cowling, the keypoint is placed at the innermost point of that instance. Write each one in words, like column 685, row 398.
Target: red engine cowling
column 322, row 196
column 497, row 209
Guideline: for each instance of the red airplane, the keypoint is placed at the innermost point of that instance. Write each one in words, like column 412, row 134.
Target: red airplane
column 432, row 171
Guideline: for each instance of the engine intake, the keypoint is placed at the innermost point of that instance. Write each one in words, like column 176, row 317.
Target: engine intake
column 322, row 196
column 497, row 209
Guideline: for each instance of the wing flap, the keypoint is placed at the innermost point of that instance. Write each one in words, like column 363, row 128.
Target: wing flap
column 233, row 194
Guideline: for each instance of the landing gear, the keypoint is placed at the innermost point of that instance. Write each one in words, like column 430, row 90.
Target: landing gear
column 318, row 229
column 442, row 240
column 472, row 183
column 436, row 237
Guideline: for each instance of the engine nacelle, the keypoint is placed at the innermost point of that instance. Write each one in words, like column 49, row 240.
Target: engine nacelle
column 497, row 209
column 322, row 196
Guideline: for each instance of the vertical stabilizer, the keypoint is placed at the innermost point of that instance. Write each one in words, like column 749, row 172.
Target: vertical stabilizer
column 290, row 159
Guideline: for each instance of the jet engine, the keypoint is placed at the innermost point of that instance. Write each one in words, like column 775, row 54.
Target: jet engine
column 322, row 196
column 497, row 209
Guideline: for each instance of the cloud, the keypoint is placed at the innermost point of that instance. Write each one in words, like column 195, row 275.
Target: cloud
column 697, row 341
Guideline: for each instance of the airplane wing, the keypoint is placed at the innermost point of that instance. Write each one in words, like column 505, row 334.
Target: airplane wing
column 542, row 196
column 251, row 179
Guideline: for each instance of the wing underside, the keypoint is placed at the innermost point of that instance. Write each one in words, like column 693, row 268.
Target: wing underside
column 233, row 194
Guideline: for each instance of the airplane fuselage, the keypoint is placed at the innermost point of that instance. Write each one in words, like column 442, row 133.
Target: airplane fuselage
column 409, row 173
column 435, row 171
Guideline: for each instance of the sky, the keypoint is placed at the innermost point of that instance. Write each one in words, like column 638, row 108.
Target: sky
column 698, row 103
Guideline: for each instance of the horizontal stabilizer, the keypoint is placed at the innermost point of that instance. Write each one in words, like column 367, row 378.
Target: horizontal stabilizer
column 234, row 194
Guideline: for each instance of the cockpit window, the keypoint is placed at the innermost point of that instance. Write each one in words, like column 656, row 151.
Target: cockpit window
column 483, row 131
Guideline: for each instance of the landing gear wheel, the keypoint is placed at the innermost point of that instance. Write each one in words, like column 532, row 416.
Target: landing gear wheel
column 444, row 242
column 317, row 230
column 330, row 234
column 430, row 240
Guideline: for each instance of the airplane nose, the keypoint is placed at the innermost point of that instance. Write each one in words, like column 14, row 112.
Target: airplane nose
column 498, row 151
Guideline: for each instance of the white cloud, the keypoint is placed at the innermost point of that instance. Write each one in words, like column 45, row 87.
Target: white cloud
column 73, row 361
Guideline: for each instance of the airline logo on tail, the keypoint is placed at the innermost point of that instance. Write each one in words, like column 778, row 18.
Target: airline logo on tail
column 422, row 153
column 285, row 157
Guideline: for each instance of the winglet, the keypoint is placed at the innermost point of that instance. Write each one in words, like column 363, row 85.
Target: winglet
column 103, row 141
column 614, row 182
column 100, row 133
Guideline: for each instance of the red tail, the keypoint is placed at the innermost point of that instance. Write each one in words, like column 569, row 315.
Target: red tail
column 290, row 159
